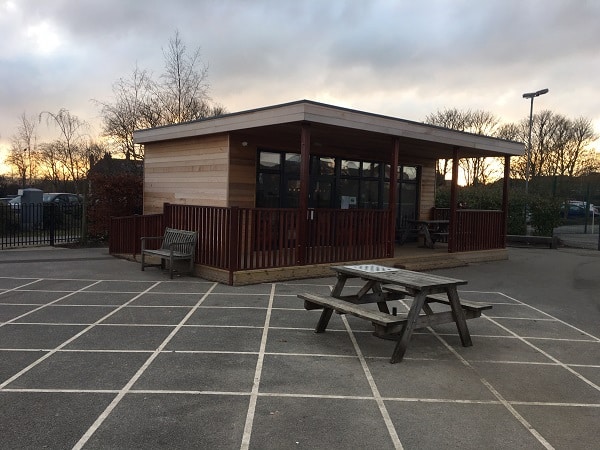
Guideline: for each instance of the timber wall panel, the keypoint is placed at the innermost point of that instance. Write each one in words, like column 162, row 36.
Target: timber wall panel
column 427, row 190
column 190, row 171
column 242, row 174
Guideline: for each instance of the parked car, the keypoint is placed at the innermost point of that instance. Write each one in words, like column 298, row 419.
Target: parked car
column 15, row 202
column 577, row 209
column 62, row 198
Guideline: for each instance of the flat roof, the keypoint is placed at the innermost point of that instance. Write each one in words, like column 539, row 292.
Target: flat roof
column 332, row 116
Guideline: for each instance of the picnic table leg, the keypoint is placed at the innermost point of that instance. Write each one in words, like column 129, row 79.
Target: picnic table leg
column 339, row 286
column 323, row 320
column 382, row 305
column 459, row 317
column 409, row 325
column 428, row 241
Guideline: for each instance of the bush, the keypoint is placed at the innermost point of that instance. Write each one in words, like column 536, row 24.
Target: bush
column 112, row 196
column 543, row 211
column 545, row 215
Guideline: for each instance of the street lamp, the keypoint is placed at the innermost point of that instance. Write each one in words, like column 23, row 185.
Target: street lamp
column 530, row 95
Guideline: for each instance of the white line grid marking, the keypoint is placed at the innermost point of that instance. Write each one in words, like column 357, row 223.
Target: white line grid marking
column 376, row 395
column 255, row 392
column 98, row 422
column 257, row 376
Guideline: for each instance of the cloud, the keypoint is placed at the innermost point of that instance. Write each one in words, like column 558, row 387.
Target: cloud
column 402, row 58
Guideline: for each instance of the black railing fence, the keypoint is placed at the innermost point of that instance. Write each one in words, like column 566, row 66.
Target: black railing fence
column 29, row 224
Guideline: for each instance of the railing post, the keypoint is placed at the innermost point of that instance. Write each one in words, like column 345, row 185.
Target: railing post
column 167, row 211
column 52, row 223
column 234, row 228
column 137, row 234
column 505, row 199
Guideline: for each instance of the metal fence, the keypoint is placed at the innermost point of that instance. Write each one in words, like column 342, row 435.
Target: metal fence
column 30, row 224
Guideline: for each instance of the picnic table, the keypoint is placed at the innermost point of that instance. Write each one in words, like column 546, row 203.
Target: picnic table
column 383, row 284
column 432, row 230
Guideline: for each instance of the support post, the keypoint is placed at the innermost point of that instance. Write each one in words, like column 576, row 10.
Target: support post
column 453, row 226
column 505, row 198
column 393, row 198
column 304, row 189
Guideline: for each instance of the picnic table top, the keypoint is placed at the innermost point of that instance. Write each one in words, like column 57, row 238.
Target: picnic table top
column 402, row 277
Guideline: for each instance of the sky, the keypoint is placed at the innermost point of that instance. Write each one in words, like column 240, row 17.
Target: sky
column 402, row 58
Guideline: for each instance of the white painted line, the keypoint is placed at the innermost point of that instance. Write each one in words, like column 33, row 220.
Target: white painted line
column 496, row 394
column 98, row 422
column 596, row 338
column 536, row 319
column 550, row 357
column 378, row 399
column 64, row 344
column 257, row 376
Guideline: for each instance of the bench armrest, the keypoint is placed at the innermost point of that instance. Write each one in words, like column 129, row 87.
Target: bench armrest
column 149, row 238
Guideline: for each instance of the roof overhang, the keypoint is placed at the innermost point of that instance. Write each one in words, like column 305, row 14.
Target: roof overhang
column 437, row 140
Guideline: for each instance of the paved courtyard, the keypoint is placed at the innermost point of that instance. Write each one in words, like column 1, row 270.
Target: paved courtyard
column 96, row 354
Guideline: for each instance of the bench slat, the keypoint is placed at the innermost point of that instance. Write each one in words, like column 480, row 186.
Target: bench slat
column 355, row 310
column 473, row 306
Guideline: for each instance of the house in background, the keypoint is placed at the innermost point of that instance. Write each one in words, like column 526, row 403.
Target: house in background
column 313, row 178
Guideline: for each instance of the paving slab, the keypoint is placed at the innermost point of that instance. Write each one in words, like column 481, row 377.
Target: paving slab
column 96, row 354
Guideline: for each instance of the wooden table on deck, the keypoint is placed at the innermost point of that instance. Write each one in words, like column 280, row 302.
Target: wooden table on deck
column 429, row 228
column 387, row 283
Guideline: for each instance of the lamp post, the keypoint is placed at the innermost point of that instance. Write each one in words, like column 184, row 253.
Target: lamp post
column 530, row 95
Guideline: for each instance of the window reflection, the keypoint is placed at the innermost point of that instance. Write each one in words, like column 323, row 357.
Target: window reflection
column 269, row 161
column 350, row 168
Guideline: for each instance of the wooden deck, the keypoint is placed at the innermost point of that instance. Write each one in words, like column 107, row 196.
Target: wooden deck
column 411, row 256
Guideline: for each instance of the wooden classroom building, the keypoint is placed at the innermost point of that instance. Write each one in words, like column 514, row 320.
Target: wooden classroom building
column 305, row 179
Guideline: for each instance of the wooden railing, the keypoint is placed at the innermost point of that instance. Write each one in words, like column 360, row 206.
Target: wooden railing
column 235, row 239
column 474, row 229
column 125, row 232
column 254, row 238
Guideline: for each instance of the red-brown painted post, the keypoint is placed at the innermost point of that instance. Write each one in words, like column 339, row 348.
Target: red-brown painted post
column 393, row 198
column 304, row 189
column 234, row 229
column 453, row 226
column 505, row 199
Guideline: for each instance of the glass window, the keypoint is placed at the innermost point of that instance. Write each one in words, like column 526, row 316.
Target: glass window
column 267, row 190
column 350, row 168
column 371, row 169
column 322, row 194
column 348, row 193
column 409, row 173
column 293, row 194
column 269, row 161
column 323, row 166
column 369, row 194
column 292, row 164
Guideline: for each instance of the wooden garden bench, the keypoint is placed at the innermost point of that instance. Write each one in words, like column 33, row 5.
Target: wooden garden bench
column 176, row 244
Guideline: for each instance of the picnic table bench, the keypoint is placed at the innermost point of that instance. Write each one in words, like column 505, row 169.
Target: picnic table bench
column 386, row 283
column 176, row 245
column 432, row 230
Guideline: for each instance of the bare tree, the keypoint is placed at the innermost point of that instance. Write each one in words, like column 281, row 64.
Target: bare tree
column 184, row 89
column 180, row 95
column 23, row 151
column 475, row 170
column 71, row 148
column 131, row 110
column 559, row 146
column 52, row 170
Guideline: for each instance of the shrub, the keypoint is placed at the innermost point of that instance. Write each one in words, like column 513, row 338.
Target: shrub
column 112, row 196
